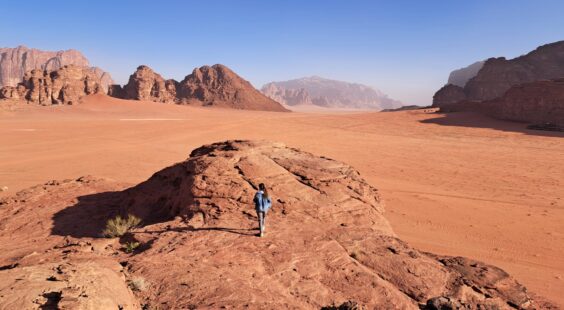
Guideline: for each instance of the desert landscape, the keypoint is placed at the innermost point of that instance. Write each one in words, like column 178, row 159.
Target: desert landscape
column 326, row 168
column 461, row 185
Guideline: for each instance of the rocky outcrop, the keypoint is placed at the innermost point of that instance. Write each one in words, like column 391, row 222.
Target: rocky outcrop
column 66, row 85
column 518, row 89
column 16, row 62
column 328, row 93
column 537, row 102
column 327, row 241
column 498, row 74
column 461, row 76
column 220, row 86
column 448, row 94
column 206, row 86
column 145, row 84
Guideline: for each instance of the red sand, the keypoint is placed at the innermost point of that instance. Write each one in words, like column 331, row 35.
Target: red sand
column 461, row 185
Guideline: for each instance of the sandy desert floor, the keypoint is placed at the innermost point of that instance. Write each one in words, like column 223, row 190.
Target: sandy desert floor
column 459, row 184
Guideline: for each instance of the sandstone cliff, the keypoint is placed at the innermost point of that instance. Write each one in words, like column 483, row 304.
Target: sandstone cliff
column 66, row 85
column 497, row 75
column 16, row 62
column 328, row 93
column 461, row 76
column 493, row 90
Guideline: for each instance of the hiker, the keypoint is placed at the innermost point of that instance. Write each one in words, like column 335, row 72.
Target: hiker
column 262, row 204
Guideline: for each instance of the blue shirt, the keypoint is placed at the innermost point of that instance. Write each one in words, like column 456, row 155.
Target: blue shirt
column 262, row 203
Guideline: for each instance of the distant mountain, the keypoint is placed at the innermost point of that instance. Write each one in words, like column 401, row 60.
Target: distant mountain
column 16, row 62
column 328, row 93
column 461, row 76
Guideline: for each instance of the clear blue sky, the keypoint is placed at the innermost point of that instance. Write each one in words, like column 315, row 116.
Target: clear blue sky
column 404, row 48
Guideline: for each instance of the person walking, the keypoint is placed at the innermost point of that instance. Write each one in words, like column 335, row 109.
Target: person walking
column 262, row 204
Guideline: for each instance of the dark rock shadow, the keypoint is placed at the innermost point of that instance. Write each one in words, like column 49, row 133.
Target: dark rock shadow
column 476, row 120
column 88, row 217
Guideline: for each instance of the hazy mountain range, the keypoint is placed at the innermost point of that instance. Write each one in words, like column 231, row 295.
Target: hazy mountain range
column 328, row 93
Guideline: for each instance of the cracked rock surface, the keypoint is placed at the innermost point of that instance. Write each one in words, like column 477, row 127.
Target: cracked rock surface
column 327, row 240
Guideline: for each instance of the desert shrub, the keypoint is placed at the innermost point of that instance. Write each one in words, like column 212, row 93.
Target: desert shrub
column 137, row 284
column 118, row 226
column 129, row 247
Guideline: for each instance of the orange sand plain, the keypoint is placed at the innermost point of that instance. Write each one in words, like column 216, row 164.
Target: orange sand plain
column 459, row 184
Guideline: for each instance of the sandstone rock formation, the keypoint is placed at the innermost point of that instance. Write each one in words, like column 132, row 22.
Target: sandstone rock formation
column 16, row 62
column 145, row 84
column 536, row 102
column 62, row 86
column 328, row 93
column 220, row 86
column 448, row 94
column 493, row 90
column 206, row 86
column 539, row 103
column 461, row 76
column 498, row 74
column 327, row 242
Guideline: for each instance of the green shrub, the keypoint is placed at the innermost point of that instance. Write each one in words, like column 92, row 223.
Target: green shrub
column 129, row 247
column 118, row 226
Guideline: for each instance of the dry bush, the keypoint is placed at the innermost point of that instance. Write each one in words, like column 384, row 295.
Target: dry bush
column 137, row 284
column 118, row 226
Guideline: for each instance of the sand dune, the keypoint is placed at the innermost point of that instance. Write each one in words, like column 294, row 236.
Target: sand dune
column 461, row 185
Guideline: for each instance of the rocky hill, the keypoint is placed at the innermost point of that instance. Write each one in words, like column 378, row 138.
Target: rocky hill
column 16, row 62
column 327, row 242
column 66, row 85
column 498, row 81
column 499, row 74
column 206, row 86
column 328, row 93
column 461, row 76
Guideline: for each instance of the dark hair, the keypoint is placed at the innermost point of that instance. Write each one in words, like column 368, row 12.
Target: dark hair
column 262, row 187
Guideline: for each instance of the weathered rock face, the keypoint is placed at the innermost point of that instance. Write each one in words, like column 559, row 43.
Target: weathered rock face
column 537, row 102
column 145, row 84
column 461, row 76
column 448, row 94
column 327, row 241
column 63, row 86
column 16, row 62
column 512, row 89
column 498, row 74
column 290, row 97
column 219, row 86
column 328, row 93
